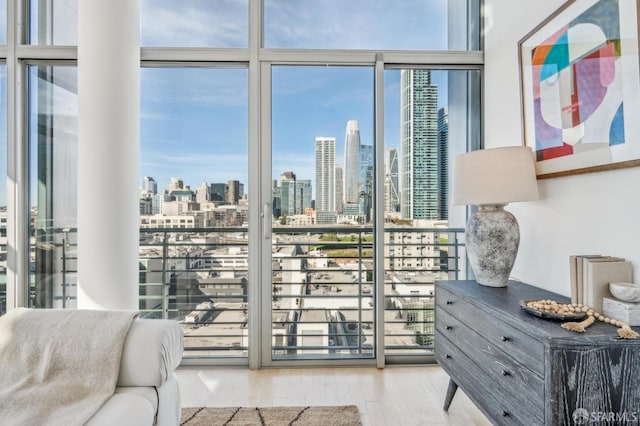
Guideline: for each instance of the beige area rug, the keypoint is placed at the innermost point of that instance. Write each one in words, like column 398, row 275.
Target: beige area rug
column 345, row 415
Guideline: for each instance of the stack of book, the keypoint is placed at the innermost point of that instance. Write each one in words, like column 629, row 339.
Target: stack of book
column 591, row 275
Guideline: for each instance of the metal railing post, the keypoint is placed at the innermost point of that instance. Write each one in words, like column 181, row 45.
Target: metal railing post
column 165, row 286
column 64, row 268
column 360, row 291
column 457, row 255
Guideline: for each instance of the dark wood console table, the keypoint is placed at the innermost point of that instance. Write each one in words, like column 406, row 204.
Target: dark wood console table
column 521, row 369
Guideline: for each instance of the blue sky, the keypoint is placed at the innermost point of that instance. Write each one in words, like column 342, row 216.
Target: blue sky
column 346, row 24
column 194, row 125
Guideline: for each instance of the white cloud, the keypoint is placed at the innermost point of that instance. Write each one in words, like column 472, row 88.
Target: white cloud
column 356, row 24
column 195, row 23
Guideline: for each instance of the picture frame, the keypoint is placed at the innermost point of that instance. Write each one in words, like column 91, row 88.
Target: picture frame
column 580, row 88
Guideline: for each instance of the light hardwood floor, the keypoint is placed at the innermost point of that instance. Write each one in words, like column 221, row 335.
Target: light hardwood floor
column 408, row 395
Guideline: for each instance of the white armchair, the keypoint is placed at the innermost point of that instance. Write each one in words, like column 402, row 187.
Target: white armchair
column 147, row 392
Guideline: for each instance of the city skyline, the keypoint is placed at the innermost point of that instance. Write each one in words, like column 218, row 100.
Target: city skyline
column 423, row 183
column 322, row 100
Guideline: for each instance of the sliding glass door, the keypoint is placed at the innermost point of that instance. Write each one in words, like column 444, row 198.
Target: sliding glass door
column 322, row 265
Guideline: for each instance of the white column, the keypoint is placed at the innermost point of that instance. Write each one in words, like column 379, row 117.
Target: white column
column 108, row 153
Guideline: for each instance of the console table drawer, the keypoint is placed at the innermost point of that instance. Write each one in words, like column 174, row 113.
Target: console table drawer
column 523, row 347
column 526, row 387
column 495, row 402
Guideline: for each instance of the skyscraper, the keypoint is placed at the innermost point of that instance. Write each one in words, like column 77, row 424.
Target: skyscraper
column 303, row 195
column 149, row 185
column 277, row 200
column 217, row 191
column 419, row 145
column 202, row 193
column 175, row 184
column 351, row 176
column 233, row 192
column 287, row 193
column 149, row 191
column 326, row 180
column 339, row 189
column 391, row 189
column 443, row 163
column 365, row 180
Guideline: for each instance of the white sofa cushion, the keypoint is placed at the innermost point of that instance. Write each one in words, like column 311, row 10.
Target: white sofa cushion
column 127, row 406
column 152, row 350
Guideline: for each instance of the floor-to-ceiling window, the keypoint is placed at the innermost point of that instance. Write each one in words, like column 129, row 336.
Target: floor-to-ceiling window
column 196, row 192
column 53, row 144
column 193, row 204
column 293, row 176
column 425, row 108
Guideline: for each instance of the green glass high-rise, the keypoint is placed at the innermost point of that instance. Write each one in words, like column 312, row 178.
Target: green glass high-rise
column 419, row 145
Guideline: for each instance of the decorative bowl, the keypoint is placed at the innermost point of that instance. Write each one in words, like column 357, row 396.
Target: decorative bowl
column 627, row 292
column 573, row 316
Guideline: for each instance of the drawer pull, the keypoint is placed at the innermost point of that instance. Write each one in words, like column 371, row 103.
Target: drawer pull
column 449, row 327
column 505, row 338
column 449, row 302
column 505, row 414
column 506, row 373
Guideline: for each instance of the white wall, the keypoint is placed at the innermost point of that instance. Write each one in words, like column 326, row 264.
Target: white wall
column 595, row 213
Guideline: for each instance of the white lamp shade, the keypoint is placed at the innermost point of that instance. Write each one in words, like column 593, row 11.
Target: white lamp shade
column 494, row 176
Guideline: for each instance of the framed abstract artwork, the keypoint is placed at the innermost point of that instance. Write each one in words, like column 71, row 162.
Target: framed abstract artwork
column 580, row 87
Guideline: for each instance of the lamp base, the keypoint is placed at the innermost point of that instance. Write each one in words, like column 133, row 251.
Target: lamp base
column 492, row 239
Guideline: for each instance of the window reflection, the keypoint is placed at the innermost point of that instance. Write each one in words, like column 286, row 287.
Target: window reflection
column 53, row 144
column 53, row 22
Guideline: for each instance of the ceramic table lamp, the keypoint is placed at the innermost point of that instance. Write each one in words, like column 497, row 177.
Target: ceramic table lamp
column 491, row 178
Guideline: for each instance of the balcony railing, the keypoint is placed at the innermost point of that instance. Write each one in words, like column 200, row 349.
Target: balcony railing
column 323, row 288
column 198, row 277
